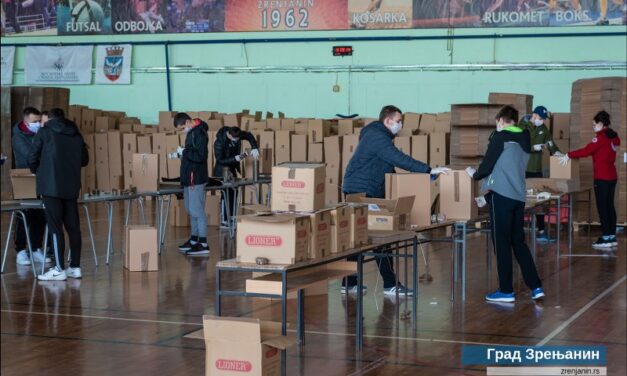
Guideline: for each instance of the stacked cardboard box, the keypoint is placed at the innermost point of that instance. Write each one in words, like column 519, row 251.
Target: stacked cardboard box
column 42, row 98
column 588, row 97
column 521, row 102
column 471, row 127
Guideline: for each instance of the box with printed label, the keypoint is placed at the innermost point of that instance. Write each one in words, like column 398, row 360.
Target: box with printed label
column 385, row 215
column 243, row 346
column 281, row 238
column 298, row 187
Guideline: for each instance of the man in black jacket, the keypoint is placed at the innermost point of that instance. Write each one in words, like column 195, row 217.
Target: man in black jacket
column 23, row 135
column 194, row 177
column 56, row 157
column 228, row 153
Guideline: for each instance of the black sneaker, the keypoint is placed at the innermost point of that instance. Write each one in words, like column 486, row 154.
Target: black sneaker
column 185, row 247
column 198, row 250
column 603, row 243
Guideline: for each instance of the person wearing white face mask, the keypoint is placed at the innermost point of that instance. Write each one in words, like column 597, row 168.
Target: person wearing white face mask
column 23, row 135
column 375, row 156
column 541, row 139
column 602, row 148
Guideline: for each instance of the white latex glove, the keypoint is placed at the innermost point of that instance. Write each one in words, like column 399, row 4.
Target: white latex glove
column 470, row 171
column 558, row 154
column 179, row 150
column 255, row 153
column 538, row 147
column 564, row 160
column 238, row 158
column 481, row 202
column 440, row 170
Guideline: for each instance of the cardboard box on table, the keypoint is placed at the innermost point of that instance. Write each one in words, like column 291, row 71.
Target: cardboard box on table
column 320, row 234
column 358, row 224
column 457, row 196
column 385, row 215
column 570, row 171
column 298, row 187
column 24, row 183
column 281, row 238
column 146, row 172
column 340, row 228
column 414, row 184
column 243, row 346
column 140, row 249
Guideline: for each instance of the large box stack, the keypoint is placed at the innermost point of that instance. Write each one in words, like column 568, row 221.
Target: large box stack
column 471, row 127
column 588, row 97
column 521, row 102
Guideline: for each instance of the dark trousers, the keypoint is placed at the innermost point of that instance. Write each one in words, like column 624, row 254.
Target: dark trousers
column 36, row 220
column 386, row 269
column 507, row 225
column 61, row 214
column 539, row 217
column 228, row 204
column 604, row 193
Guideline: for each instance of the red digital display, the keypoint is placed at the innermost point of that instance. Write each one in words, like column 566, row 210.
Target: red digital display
column 342, row 50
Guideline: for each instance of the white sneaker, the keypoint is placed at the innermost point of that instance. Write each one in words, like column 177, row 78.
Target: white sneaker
column 73, row 272
column 53, row 274
column 38, row 256
column 22, row 258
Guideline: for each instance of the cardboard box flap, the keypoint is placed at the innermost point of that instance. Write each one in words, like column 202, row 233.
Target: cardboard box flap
column 402, row 205
column 301, row 165
column 280, row 342
column 21, row 172
column 235, row 329
column 272, row 218
column 355, row 197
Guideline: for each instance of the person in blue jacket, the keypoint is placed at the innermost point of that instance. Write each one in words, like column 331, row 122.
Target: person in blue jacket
column 375, row 156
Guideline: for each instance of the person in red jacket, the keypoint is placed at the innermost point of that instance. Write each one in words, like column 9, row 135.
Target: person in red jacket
column 603, row 149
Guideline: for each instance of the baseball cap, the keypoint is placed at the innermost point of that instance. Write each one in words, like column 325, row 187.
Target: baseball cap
column 542, row 112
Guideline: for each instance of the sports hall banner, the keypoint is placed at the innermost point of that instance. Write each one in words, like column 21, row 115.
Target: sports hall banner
column 113, row 64
column 58, row 65
column 91, row 17
column 7, row 57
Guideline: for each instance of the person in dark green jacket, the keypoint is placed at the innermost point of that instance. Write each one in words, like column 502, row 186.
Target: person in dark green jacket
column 541, row 139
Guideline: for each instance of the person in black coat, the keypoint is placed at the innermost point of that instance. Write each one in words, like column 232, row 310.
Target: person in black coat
column 21, row 141
column 375, row 156
column 57, row 155
column 227, row 149
column 194, row 178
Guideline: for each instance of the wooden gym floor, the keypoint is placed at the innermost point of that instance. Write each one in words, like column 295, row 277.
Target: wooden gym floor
column 115, row 322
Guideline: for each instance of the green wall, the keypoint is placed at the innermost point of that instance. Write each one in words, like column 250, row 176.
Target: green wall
column 301, row 93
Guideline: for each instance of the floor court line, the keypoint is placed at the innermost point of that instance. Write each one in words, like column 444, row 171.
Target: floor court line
column 416, row 339
column 581, row 311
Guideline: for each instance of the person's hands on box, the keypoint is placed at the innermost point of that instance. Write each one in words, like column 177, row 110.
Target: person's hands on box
column 470, row 171
column 440, row 170
column 255, row 153
column 564, row 159
column 558, row 154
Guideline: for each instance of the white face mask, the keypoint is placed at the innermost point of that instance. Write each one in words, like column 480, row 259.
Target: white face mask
column 33, row 127
column 396, row 127
column 538, row 122
column 499, row 127
column 597, row 128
